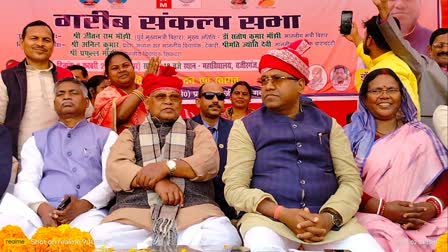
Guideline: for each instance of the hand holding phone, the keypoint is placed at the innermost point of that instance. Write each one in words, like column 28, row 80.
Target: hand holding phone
column 346, row 22
column 64, row 204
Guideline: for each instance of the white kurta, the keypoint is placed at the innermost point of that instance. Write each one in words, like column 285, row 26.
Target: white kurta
column 20, row 208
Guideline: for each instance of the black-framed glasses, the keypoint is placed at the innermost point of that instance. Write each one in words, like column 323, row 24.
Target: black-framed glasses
column 379, row 91
column 211, row 95
column 274, row 79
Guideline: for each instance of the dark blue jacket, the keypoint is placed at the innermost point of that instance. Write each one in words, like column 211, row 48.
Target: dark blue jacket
column 293, row 160
column 224, row 127
column 16, row 84
column 5, row 158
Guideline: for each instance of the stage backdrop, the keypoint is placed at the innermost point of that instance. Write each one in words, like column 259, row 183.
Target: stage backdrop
column 207, row 40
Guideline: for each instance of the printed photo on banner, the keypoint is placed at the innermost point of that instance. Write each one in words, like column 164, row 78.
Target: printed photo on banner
column 317, row 77
column 340, row 77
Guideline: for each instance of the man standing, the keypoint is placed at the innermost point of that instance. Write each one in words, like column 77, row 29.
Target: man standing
column 290, row 167
column 432, row 80
column 210, row 102
column 27, row 90
column 162, row 174
column 377, row 53
column 65, row 160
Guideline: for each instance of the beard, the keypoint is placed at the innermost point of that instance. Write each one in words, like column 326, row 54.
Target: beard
column 365, row 49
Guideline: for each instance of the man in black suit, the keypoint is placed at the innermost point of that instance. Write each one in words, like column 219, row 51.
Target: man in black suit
column 210, row 102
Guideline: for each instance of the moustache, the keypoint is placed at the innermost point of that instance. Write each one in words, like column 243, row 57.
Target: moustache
column 442, row 53
column 215, row 105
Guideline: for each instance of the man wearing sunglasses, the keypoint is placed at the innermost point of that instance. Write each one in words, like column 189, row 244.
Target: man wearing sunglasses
column 290, row 167
column 210, row 102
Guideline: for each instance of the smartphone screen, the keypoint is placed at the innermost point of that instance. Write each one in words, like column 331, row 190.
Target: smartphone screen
column 346, row 22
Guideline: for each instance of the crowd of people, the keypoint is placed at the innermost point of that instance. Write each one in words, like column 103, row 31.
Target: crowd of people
column 285, row 176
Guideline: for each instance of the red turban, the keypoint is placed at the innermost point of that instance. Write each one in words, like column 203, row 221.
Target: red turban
column 288, row 59
column 164, row 80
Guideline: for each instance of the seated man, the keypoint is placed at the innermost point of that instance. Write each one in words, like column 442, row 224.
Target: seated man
column 162, row 173
column 65, row 160
column 290, row 168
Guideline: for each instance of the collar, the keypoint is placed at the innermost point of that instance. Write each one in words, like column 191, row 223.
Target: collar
column 159, row 123
column 80, row 124
column 382, row 57
column 30, row 67
column 207, row 126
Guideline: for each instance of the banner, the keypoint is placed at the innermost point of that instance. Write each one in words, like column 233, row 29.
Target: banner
column 219, row 40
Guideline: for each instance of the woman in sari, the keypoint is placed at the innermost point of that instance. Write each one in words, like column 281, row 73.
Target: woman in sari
column 121, row 105
column 403, row 166
column 240, row 95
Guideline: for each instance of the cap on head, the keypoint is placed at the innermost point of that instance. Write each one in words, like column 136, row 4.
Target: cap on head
column 288, row 59
column 164, row 80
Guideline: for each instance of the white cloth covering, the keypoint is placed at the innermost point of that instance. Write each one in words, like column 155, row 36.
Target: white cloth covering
column 263, row 239
column 213, row 234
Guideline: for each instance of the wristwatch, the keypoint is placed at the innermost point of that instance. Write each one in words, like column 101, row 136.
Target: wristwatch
column 171, row 166
column 336, row 218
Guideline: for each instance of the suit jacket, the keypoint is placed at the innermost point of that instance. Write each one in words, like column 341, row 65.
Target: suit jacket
column 224, row 127
column 432, row 81
column 5, row 159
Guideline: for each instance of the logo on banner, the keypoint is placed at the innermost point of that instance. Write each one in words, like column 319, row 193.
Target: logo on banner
column 163, row 4
column 178, row 4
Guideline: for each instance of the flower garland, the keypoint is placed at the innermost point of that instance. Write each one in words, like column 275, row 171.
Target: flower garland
column 46, row 239
column 12, row 238
column 442, row 243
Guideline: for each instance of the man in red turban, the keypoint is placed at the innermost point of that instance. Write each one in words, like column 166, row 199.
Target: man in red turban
column 162, row 173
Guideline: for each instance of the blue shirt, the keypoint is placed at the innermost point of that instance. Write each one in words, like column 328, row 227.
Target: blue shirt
column 215, row 133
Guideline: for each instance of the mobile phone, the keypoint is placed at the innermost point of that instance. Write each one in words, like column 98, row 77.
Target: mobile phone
column 346, row 22
column 64, row 204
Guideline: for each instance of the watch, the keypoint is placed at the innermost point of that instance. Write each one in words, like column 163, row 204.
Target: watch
column 171, row 166
column 336, row 218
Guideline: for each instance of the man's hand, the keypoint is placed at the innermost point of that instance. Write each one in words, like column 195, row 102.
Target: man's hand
column 45, row 211
column 396, row 210
column 149, row 175
column 315, row 231
column 169, row 193
column 292, row 217
column 354, row 35
column 419, row 218
column 153, row 66
column 383, row 8
column 73, row 210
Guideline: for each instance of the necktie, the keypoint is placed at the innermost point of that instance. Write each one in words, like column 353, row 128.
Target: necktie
column 212, row 130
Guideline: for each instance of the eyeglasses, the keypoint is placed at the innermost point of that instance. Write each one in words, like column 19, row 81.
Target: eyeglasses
column 440, row 45
column 172, row 97
column 274, row 79
column 389, row 91
column 211, row 95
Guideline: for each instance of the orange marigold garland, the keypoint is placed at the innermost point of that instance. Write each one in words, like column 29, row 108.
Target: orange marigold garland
column 442, row 243
column 12, row 239
column 62, row 238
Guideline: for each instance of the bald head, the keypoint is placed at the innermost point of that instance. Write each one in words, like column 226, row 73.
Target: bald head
column 210, row 100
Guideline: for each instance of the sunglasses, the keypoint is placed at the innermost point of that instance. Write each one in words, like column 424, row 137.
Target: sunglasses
column 211, row 95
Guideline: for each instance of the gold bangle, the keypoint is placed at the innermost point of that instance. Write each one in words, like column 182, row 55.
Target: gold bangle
column 139, row 94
